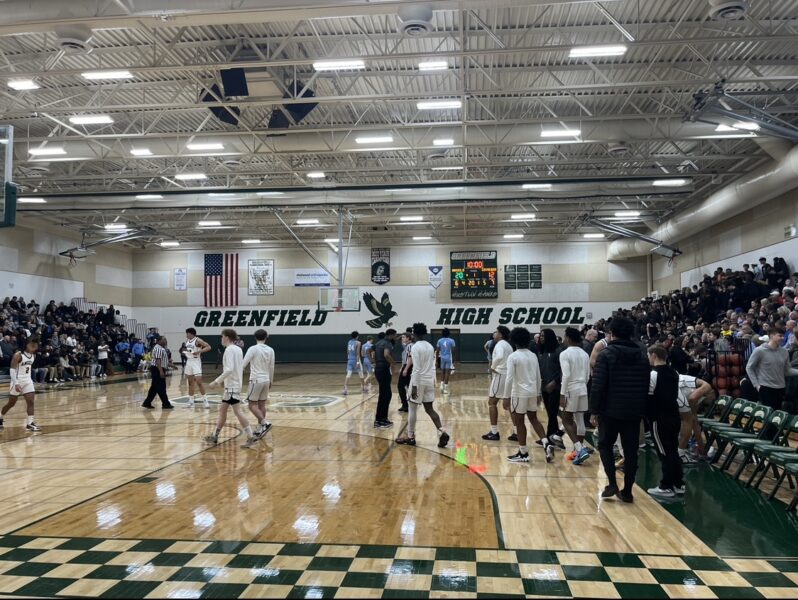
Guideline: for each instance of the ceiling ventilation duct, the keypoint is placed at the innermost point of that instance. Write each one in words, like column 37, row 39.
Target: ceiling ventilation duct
column 226, row 114
column 298, row 112
column 415, row 19
column 73, row 38
column 728, row 10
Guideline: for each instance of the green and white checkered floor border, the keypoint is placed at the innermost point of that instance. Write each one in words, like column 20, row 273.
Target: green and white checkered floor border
column 115, row 568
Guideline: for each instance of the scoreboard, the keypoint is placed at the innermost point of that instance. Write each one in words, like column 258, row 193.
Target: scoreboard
column 474, row 274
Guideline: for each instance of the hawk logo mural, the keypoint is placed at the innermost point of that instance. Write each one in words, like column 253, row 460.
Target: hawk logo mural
column 381, row 309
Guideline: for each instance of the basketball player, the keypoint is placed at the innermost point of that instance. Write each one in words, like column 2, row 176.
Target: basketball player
column 367, row 352
column 422, row 387
column 444, row 349
column 231, row 377
column 692, row 391
column 260, row 359
column 498, row 368
column 195, row 348
column 22, row 382
column 575, row 366
column 522, row 387
column 353, row 361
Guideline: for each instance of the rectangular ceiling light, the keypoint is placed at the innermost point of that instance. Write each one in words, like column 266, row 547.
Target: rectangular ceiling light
column 307, row 221
column 209, row 224
column 593, row 236
column 557, row 133
column 744, row 125
column 513, row 236
column 113, row 226
column 91, row 120
column 523, row 217
column 169, row 244
column 433, row 65
column 452, row 168
column 149, row 197
column 627, row 213
column 250, row 241
column 338, row 65
column 536, row 186
column 269, row 194
column 32, row 201
column 586, row 51
column 205, row 146
column 190, row 176
column 331, row 240
column 375, row 139
column 47, row 151
column 220, row 194
column 107, row 75
column 676, row 182
column 141, row 152
column 422, row 237
column 411, row 218
column 23, row 84
column 316, row 175
column 443, row 142
column 397, row 190
column 433, row 104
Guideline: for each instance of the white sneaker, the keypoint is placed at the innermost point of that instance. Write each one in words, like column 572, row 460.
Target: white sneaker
column 251, row 442
column 680, row 491
column 190, row 404
column 205, row 403
column 661, row 493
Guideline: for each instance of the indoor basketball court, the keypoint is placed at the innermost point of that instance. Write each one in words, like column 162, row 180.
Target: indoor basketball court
column 398, row 299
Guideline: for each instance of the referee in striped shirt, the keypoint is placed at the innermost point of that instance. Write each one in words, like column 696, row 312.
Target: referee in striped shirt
column 160, row 360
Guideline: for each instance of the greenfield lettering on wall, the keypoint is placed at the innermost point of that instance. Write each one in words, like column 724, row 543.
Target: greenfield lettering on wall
column 260, row 318
column 524, row 315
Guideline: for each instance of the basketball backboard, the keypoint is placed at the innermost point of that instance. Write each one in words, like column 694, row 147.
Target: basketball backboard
column 339, row 299
column 8, row 196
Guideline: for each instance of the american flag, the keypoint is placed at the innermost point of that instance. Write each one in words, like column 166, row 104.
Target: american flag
column 221, row 279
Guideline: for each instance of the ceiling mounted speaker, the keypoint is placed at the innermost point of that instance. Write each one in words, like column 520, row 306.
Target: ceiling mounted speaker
column 73, row 38
column 728, row 10
column 415, row 20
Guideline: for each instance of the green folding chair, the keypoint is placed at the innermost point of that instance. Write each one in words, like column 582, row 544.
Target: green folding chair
column 752, row 415
column 721, row 406
column 738, row 414
column 769, row 432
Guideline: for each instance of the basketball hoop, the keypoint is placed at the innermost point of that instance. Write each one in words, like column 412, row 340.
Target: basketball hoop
column 72, row 260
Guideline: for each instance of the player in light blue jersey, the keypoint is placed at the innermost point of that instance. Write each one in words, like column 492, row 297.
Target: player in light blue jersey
column 366, row 353
column 444, row 349
column 353, row 361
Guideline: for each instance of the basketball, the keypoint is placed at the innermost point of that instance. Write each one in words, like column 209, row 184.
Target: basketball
column 722, row 359
column 722, row 382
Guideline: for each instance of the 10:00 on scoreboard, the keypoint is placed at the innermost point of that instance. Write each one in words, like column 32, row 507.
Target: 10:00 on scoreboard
column 474, row 274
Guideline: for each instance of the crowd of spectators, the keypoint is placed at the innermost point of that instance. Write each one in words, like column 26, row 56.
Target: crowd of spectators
column 74, row 345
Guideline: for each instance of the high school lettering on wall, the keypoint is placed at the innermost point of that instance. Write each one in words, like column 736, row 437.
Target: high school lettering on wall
column 482, row 315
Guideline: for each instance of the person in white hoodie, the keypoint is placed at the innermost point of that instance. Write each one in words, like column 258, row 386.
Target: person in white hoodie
column 232, row 378
column 260, row 359
column 575, row 367
column 522, row 387
column 498, row 368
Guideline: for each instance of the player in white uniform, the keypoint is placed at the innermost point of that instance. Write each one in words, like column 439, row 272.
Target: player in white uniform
column 422, row 387
column 232, row 378
column 522, row 387
column 22, row 382
column 498, row 368
column 692, row 391
column 575, row 367
column 260, row 359
column 195, row 348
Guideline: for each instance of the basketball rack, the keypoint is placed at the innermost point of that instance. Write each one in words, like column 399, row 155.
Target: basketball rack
column 339, row 299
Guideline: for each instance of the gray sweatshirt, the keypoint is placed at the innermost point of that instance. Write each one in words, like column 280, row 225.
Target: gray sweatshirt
column 770, row 367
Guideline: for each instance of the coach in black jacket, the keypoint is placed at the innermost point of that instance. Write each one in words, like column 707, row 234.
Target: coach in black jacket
column 618, row 396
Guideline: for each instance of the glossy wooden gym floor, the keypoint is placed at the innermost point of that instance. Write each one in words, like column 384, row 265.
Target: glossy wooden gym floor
column 105, row 469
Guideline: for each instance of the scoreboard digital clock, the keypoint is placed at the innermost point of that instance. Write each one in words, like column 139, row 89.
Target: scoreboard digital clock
column 474, row 274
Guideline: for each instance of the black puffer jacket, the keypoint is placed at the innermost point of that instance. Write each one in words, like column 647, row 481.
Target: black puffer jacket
column 619, row 389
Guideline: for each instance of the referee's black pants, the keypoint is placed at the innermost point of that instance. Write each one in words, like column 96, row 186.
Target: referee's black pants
column 157, row 387
column 404, row 383
column 551, row 400
column 383, row 375
column 666, row 441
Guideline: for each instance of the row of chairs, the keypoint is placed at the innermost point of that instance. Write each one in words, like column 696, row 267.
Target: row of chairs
column 761, row 434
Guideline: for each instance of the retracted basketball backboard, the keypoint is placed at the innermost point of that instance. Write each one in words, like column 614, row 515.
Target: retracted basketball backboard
column 8, row 191
column 339, row 299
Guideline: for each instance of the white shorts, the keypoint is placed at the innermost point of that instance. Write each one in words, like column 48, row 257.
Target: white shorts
column 426, row 394
column 575, row 404
column 497, row 385
column 683, row 403
column 258, row 390
column 27, row 388
column 523, row 405
column 193, row 367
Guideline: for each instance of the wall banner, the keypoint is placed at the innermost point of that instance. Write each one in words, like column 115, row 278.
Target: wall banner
column 181, row 279
column 311, row 278
column 380, row 265
column 260, row 277
column 436, row 276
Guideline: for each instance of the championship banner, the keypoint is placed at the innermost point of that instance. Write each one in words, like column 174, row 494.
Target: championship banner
column 436, row 276
column 261, row 277
column 380, row 265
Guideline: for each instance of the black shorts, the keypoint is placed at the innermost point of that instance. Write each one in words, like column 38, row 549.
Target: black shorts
column 231, row 397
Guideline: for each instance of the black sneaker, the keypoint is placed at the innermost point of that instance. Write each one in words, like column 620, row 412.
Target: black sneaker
column 32, row 427
column 539, row 442
column 388, row 423
column 403, row 409
column 492, row 437
column 406, row 441
column 145, row 405
column 626, row 496
column 557, row 442
column 443, row 440
column 1, row 425
column 609, row 491
column 264, row 429
column 549, row 450
column 513, row 437
column 168, row 406
column 382, row 424
column 518, row 458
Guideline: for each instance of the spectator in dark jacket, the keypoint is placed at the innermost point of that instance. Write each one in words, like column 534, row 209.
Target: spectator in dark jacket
column 618, row 395
column 551, row 376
